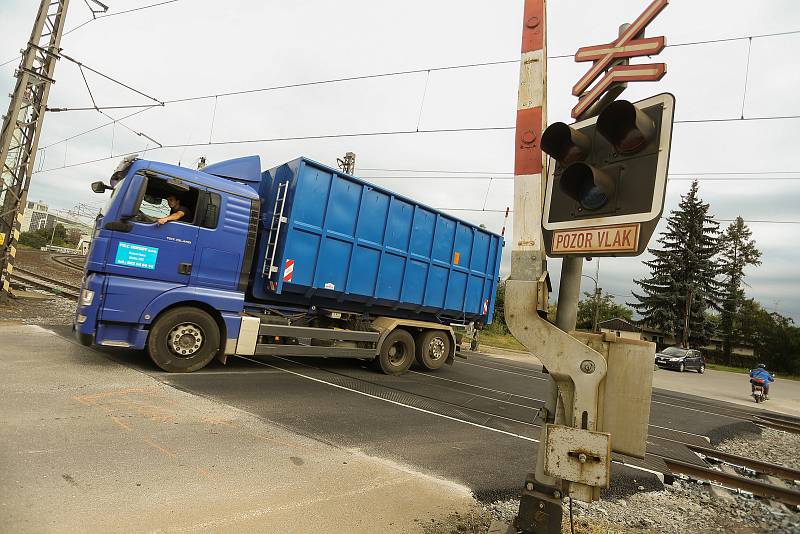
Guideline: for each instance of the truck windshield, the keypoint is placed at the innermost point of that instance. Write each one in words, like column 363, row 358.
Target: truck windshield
column 107, row 205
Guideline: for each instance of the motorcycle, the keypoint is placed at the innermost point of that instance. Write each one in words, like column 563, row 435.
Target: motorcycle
column 758, row 391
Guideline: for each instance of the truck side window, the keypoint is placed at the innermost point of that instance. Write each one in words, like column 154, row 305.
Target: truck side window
column 154, row 203
column 208, row 206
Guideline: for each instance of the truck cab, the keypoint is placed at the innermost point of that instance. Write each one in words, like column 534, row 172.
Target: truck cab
column 137, row 270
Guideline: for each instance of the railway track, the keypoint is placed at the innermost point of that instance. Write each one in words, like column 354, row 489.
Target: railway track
column 57, row 287
column 71, row 262
column 731, row 471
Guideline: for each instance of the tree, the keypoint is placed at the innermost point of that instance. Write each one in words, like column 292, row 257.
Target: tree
column 775, row 338
column 608, row 309
column 683, row 283
column 737, row 251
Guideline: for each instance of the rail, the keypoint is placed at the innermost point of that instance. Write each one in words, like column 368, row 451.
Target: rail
column 57, row 287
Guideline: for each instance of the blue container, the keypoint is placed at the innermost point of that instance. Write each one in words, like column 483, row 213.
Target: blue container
column 347, row 244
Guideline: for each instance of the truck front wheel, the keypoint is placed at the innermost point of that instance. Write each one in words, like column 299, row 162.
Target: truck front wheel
column 183, row 340
column 433, row 348
column 397, row 352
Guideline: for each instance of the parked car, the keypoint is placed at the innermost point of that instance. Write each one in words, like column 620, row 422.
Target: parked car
column 681, row 359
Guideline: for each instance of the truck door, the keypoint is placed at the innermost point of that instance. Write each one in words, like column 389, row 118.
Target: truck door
column 223, row 223
column 146, row 249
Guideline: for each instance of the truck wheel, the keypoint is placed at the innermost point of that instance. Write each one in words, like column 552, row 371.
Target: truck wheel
column 433, row 348
column 183, row 340
column 397, row 352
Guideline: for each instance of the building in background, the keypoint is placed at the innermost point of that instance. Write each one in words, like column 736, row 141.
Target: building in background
column 37, row 216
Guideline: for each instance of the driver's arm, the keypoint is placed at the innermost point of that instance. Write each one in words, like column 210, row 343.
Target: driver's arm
column 171, row 217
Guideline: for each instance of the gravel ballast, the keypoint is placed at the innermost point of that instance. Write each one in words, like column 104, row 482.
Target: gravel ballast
column 686, row 506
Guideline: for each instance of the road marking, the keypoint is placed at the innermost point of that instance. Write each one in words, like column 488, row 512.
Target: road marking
column 159, row 448
column 504, row 371
column 512, row 434
column 682, row 432
column 319, row 380
column 479, row 387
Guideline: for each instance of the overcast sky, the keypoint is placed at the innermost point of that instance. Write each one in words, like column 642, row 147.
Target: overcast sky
column 200, row 47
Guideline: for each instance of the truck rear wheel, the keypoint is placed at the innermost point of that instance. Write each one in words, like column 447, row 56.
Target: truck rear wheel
column 183, row 340
column 433, row 348
column 397, row 352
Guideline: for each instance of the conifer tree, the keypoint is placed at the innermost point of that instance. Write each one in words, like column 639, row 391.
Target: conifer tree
column 737, row 251
column 683, row 283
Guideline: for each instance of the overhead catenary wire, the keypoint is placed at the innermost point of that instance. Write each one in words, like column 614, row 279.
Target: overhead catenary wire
column 97, row 17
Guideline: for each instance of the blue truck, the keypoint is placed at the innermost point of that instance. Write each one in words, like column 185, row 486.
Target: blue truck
column 299, row 260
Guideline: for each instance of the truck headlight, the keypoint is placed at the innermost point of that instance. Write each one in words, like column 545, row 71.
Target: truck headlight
column 81, row 319
column 87, row 297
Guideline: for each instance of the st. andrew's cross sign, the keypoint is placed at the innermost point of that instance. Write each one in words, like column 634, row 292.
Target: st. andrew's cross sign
column 625, row 47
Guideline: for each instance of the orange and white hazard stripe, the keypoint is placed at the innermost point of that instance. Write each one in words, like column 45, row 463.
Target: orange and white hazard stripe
column 288, row 271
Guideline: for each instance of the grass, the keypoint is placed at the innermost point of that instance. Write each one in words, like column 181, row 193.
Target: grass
column 730, row 369
column 502, row 341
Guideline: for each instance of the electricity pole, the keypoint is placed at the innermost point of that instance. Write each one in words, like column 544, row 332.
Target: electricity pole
column 348, row 164
column 22, row 126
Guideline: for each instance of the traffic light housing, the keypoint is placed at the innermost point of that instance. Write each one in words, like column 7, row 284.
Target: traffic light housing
column 605, row 192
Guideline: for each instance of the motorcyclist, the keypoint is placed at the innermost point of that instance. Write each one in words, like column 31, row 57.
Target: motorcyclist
column 760, row 376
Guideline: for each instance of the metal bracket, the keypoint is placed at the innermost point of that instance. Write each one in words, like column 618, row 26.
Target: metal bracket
column 577, row 368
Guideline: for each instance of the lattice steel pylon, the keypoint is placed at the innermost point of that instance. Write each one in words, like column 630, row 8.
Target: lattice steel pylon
column 22, row 125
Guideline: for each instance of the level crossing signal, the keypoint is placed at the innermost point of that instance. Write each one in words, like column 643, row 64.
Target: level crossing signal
column 605, row 192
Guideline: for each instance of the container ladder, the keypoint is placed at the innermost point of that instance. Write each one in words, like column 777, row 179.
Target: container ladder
column 277, row 221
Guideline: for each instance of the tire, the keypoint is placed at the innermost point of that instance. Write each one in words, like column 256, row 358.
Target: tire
column 701, row 369
column 397, row 353
column 682, row 368
column 183, row 340
column 433, row 349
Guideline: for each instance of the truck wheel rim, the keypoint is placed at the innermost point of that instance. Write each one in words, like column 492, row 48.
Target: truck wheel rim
column 397, row 353
column 436, row 348
column 185, row 339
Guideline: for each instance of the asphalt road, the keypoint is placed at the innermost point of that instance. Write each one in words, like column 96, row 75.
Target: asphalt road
column 472, row 422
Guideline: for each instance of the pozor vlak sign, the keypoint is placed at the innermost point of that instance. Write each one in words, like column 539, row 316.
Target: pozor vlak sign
column 605, row 190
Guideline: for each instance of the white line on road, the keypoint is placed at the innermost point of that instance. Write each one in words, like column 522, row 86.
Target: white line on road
column 504, row 371
column 479, row 387
column 512, row 434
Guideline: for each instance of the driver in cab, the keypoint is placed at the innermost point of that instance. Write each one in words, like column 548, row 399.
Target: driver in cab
column 178, row 211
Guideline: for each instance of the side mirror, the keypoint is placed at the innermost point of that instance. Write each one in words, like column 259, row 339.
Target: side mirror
column 100, row 187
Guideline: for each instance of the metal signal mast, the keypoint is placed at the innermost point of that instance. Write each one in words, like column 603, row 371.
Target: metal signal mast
column 23, row 124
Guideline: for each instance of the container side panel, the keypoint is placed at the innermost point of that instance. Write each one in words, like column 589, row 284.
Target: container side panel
column 343, row 211
column 437, row 281
column 455, row 290
column 422, row 239
column 372, row 221
column 311, row 197
column 475, row 290
column 443, row 242
column 301, row 247
column 462, row 251
column 390, row 277
column 480, row 256
column 398, row 230
column 333, row 263
column 414, row 285
column 365, row 270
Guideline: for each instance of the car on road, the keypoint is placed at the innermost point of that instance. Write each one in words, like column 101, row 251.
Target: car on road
column 681, row 359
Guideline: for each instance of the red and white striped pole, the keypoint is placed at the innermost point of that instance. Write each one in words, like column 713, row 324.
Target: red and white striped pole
column 527, row 251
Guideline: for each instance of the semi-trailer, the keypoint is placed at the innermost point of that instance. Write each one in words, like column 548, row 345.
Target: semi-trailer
column 299, row 260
